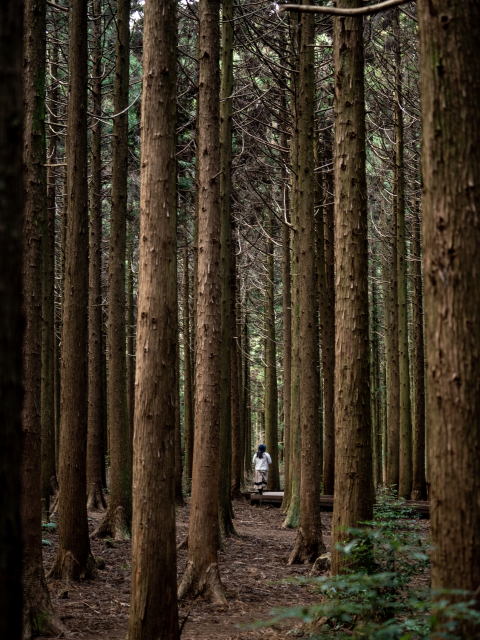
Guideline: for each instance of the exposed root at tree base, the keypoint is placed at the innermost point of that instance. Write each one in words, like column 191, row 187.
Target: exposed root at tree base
column 68, row 567
column 205, row 583
column 41, row 621
column 95, row 498
column 306, row 552
column 183, row 545
column 113, row 525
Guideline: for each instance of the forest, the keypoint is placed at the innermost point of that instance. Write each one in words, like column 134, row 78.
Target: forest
column 239, row 319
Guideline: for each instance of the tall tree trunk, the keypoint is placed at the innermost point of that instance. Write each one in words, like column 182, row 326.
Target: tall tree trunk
column 187, row 372
column 393, row 390
column 247, row 394
column 375, row 397
column 450, row 83
column 309, row 542
column 11, row 318
column 271, row 392
column 117, row 520
column 38, row 616
column 95, row 498
column 201, row 574
column 178, row 430
column 236, row 442
column 74, row 560
column 47, row 401
column 328, row 326
column 419, row 490
column 293, row 505
column 353, row 456
column 130, row 350
column 153, row 600
column 226, row 274
column 386, row 268
column 405, row 453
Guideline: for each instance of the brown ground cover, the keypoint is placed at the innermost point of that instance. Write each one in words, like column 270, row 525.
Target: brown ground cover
column 253, row 568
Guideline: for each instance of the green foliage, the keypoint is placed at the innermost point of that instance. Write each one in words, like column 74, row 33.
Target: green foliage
column 377, row 600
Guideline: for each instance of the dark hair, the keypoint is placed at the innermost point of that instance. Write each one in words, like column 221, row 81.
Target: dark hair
column 261, row 449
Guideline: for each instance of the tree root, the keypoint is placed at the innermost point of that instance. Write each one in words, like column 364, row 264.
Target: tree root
column 225, row 522
column 183, row 545
column 67, row 567
column 95, row 498
column 205, row 583
column 305, row 552
column 112, row 526
column 293, row 514
column 38, row 616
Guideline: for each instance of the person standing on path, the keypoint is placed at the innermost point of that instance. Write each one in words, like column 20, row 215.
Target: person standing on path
column 261, row 461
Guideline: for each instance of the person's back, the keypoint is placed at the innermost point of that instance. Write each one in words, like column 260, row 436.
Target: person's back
column 261, row 460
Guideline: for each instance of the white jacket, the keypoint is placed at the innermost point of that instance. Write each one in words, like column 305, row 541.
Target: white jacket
column 261, row 464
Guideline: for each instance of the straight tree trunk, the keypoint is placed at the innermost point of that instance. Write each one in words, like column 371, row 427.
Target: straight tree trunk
column 328, row 326
column 226, row 273
column 95, row 498
column 202, row 574
column 419, row 490
column 405, row 452
column 247, row 395
column 130, row 350
column 187, row 373
column 353, row 455
column 117, row 520
column 292, row 507
column 236, row 442
column 287, row 317
column 386, row 268
column 309, row 542
column 271, row 392
column 393, row 390
column 375, row 374
column 450, row 84
column 38, row 615
column 153, row 599
column 11, row 318
column 178, row 429
column 74, row 560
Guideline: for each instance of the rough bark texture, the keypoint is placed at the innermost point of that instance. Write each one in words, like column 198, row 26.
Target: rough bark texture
column 95, row 498
column 11, row 318
column 74, row 560
column 271, row 392
column 226, row 275
column 236, row 444
column 353, row 459
column 287, row 316
column 117, row 520
column 187, row 372
column 38, row 616
column 153, row 600
column 328, row 327
column 130, row 349
column 309, row 542
column 419, row 488
column 450, row 83
column 405, row 451
column 201, row 574
column 179, row 500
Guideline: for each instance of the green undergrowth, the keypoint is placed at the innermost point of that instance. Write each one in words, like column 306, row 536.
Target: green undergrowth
column 385, row 595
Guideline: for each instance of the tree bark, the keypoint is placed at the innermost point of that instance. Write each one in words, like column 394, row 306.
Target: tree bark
column 271, row 392
column 74, row 560
column 187, row 372
column 405, row 452
column 353, row 456
column 226, row 274
column 309, row 542
column 178, row 430
column 201, row 574
column 236, row 442
column 38, row 615
column 328, row 326
column 95, row 498
column 117, row 520
column 153, row 600
column 450, row 84
column 130, row 350
column 11, row 318
column 419, row 490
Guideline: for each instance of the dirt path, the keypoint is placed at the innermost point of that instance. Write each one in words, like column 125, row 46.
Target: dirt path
column 253, row 570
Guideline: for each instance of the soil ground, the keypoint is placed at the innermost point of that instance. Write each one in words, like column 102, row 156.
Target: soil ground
column 253, row 569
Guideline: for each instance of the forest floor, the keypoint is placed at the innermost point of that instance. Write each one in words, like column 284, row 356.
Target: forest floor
column 253, row 569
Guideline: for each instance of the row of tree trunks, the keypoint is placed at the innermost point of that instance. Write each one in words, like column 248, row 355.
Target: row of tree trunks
column 11, row 318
